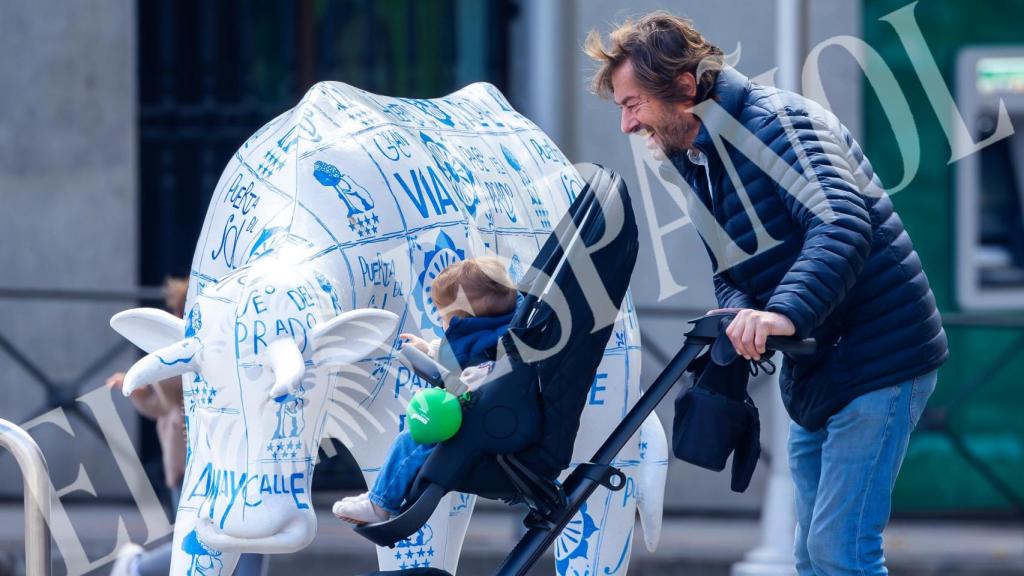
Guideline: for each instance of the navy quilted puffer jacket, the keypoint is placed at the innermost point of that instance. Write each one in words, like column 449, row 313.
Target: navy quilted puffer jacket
column 810, row 235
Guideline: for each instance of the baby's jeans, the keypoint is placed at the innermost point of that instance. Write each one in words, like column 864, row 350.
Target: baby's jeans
column 398, row 472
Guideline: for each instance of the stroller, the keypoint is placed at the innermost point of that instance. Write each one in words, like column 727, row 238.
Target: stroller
column 518, row 433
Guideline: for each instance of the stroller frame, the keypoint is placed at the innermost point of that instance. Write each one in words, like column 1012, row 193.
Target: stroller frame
column 598, row 471
column 545, row 525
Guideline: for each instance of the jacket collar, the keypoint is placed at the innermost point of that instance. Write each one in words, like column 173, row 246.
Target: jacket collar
column 730, row 91
column 731, row 88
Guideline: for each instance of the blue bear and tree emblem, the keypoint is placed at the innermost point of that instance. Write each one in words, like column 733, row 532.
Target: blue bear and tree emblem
column 290, row 422
column 361, row 218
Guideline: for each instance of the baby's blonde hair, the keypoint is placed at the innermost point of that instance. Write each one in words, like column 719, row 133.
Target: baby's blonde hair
column 483, row 281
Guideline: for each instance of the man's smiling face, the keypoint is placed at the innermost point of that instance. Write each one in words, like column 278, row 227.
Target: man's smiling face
column 668, row 126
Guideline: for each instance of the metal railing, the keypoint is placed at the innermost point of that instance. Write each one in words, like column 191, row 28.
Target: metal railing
column 37, row 496
column 64, row 393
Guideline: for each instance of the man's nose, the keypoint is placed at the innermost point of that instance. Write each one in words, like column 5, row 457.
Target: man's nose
column 628, row 122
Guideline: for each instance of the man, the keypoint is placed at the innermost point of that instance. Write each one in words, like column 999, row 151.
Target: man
column 804, row 241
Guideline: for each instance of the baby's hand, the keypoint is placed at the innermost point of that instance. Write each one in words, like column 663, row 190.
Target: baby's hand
column 416, row 342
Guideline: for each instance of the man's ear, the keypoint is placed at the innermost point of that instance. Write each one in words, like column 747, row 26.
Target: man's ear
column 687, row 84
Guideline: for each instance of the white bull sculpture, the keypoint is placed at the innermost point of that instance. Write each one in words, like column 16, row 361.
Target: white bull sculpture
column 322, row 238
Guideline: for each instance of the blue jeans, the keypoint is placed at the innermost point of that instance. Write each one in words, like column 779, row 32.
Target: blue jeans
column 844, row 476
column 398, row 472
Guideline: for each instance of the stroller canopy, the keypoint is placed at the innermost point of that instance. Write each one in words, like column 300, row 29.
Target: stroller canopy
column 573, row 294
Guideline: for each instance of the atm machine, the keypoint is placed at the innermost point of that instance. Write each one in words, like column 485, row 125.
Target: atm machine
column 990, row 183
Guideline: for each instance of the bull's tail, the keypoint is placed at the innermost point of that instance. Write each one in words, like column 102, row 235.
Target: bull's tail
column 651, row 485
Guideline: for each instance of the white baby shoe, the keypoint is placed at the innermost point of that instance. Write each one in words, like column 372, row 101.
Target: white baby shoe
column 359, row 510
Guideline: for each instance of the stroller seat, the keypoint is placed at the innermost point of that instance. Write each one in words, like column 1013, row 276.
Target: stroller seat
column 518, row 433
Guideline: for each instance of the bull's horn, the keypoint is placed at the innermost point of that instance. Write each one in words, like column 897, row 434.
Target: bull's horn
column 169, row 361
column 287, row 365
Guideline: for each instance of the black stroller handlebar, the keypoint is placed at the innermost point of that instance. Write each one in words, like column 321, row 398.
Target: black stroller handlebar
column 790, row 345
column 710, row 325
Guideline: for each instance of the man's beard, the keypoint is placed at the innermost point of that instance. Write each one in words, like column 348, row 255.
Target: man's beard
column 672, row 133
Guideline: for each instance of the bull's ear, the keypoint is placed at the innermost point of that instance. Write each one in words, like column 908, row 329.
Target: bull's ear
column 352, row 336
column 148, row 328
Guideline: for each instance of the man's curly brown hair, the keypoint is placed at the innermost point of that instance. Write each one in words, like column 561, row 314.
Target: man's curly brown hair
column 661, row 46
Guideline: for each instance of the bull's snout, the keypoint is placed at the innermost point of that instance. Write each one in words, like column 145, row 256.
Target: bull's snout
column 271, row 534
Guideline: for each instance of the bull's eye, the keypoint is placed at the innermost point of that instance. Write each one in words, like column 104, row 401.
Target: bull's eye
column 252, row 372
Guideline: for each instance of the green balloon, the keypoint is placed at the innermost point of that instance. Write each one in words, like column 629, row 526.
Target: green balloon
column 433, row 415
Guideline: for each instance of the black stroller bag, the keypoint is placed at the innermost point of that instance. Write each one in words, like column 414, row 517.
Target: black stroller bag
column 716, row 417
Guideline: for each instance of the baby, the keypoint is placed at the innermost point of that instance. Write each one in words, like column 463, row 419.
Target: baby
column 476, row 300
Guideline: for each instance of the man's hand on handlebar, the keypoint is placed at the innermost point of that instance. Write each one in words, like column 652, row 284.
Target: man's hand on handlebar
column 750, row 329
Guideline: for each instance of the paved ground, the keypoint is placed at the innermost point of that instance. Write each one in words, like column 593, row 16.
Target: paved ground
column 690, row 546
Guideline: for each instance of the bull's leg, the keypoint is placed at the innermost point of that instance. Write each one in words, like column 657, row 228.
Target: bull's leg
column 438, row 544
column 459, row 513
column 598, row 538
